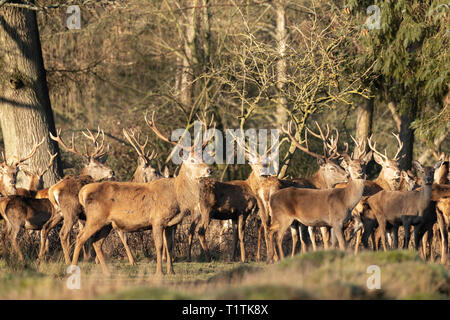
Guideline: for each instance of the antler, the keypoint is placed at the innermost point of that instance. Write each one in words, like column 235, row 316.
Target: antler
column 152, row 124
column 395, row 158
column 64, row 145
column 360, row 148
column 140, row 148
column 50, row 162
column 99, row 148
column 400, row 146
column 206, row 139
column 32, row 152
column 373, row 148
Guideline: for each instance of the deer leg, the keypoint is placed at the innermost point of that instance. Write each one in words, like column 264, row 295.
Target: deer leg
column 312, row 236
column 395, row 236
column 64, row 235
column 123, row 237
column 191, row 235
column 158, row 238
column 325, row 236
column 97, row 243
column 337, row 229
column 241, row 234
column 234, row 241
column 49, row 225
column 261, row 229
column 168, row 247
column 406, row 226
column 202, row 236
column 382, row 231
column 304, row 237
column 444, row 236
column 14, row 231
column 333, row 237
column 358, row 240
column 88, row 231
column 294, row 236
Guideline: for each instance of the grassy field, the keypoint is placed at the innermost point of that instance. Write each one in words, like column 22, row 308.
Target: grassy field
column 316, row 275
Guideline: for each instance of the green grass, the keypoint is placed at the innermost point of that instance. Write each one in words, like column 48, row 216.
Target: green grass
column 315, row 275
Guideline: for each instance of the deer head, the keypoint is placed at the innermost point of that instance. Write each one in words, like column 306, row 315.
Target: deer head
column 354, row 165
column 329, row 166
column 144, row 171
column 427, row 172
column 390, row 171
column 408, row 181
column 193, row 167
column 36, row 181
column 94, row 161
column 8, row 172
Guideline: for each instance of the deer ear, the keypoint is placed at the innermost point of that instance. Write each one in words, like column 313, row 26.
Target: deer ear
column 437, row 164
column 417, row 165
column 378, row 159
column 166, row 172
column 321, row 161
column 367, row 157
column 141, row 162
column 103, row 158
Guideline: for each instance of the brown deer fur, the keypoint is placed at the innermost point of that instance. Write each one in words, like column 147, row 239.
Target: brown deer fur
column 317, row 208
column 404, row 207
column 223, row 201
column 133, row 207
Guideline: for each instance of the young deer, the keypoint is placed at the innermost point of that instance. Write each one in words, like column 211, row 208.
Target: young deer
column 330, row 173
column 64, row 194
column 131, row 207
column 318, row 208
column 405, row 207
column 389, row 178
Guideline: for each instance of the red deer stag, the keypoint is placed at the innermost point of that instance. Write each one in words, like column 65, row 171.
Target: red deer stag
column 64, row 194
column 131, row 207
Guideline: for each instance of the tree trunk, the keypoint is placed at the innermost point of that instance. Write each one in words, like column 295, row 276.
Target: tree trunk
column 281, row 39
column 25, row 113
column 407, row 137
column 364, row 121
column 189, row 59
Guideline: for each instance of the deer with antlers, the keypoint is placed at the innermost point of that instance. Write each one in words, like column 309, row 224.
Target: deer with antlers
column 132, row 207
column 64, row 194
column 20, row 210
column 8, row 173
column 318, row 208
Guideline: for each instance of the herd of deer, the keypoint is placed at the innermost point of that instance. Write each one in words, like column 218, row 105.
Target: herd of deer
column 338, row 193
